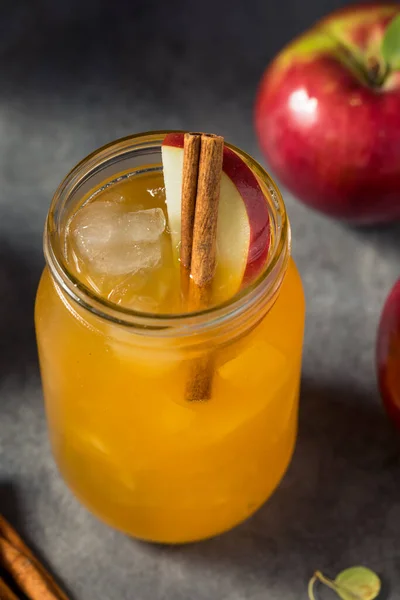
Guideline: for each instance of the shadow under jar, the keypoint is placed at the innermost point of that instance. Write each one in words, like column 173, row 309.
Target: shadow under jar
column 128, row 444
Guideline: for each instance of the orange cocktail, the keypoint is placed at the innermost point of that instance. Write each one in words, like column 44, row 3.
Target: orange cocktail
column 116, row 349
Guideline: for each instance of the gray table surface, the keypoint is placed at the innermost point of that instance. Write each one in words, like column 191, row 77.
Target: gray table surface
column 75, row 78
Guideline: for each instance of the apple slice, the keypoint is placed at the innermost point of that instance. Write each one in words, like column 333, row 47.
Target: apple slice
column 243, row 231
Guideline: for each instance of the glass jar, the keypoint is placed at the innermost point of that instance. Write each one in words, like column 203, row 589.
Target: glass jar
column 128, row 444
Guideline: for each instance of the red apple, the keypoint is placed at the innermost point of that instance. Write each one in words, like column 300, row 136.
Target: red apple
column 328, row 114
column 243, row 231
column 388, row 354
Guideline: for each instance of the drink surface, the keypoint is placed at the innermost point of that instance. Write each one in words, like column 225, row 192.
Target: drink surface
column 119, row 244
column 126, row 441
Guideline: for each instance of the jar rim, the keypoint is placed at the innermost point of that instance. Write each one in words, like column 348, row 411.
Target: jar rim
column 256, row 294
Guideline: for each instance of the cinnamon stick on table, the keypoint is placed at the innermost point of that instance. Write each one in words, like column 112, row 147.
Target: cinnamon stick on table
column 204, row 251
column 28, row 573
column 5, row 592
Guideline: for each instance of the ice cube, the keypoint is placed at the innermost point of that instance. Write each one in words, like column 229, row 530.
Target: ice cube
column 92, row 228
column 116, row 242
column 142, row 226
column 125, row 258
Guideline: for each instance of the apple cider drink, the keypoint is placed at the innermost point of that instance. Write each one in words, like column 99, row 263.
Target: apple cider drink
column 169, row 420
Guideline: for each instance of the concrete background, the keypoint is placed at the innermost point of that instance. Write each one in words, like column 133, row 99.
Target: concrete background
column 75, row 75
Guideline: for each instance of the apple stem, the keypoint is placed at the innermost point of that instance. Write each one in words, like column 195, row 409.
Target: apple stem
column 373, row 71
column 377, row 71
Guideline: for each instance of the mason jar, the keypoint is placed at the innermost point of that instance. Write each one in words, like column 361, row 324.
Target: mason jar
column 126, row 440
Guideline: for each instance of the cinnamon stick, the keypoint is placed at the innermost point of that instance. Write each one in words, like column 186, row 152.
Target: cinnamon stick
column 204, row 250
column 25, row 573
column 5, row 592
column 25, row 568
column 191, row 157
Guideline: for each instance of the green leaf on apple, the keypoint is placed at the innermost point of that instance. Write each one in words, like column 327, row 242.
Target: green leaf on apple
column 355, row 583
column 391, row 44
